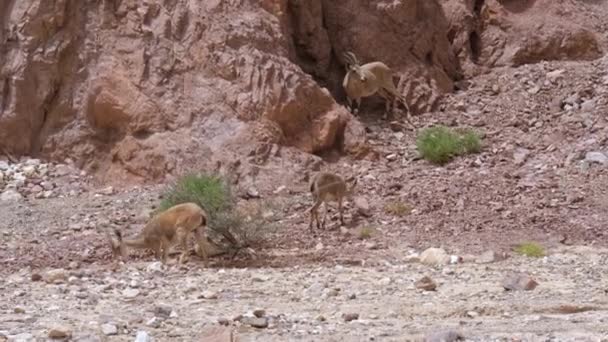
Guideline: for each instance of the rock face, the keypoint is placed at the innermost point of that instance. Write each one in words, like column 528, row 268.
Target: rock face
column 149, row 88
column 138, row 90
column 415, row 46
column 496, row 33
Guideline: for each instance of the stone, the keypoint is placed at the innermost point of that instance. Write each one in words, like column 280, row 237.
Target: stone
column 10, row 195
column 163, row 310
column 362, row 206
column 259, row 313
column 447, row 335
column 56, row 276
column 434, row 257
column 348, row 317
column 490, row 257
column 426, row 283
column 217, row 334
column 60, row 332
column 588, row 106
column 596, row 157
column 142, row 336
column 130, row 293
column 519, row 282
column 109, row 329
column 520, row 155
column 256, row 322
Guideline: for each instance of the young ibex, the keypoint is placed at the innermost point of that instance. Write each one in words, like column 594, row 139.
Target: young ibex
column 171, row 226
column 366, row 80
column 326, row 187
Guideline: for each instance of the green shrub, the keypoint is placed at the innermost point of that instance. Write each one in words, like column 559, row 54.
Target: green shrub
column 440, row 144
column 530, row 249
column 226, row 220
column 366, row 232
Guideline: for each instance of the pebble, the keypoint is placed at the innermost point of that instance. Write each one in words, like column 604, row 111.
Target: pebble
column 597, row 157
column 130, row 293
column 519, row 282
column 348, row 317
column 434, row 257
column 362, row 206
column 10, row 195
column 60, row 332
column 56, row 276
column 426, row 283
column 109, row 329
column 142, row 336
column 256, row 322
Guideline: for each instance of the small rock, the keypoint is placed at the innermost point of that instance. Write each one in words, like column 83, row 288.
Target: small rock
column 596, row 157
column 223, row 321
column 588, row 106
column 56, row 276
column 36, row 189
column 391, row 157
column 490, row 257
column 155, row 267
column 259, row 313
column 256, row 322
column 520, row 155
column 362, row 206
column 142, row 336
column 443, row 336
column 163, row 311
column 472, row 314
column 348, row 317
column 519, row 282
column 130, row 293
column 253, row 193
column 3, row 165
column 62, row 170
column 106, row 191
column 29, row 170
column 10, row 195
column 60, row 332
column 109, row 329
column 434, row 256
column 208, row 295
column 36, row 277
column 425, row 283
column 19, row 310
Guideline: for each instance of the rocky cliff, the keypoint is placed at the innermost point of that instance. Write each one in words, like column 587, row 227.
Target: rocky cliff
column 138, row 90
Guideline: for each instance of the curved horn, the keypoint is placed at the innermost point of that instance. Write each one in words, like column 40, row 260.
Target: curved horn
column 350, row 58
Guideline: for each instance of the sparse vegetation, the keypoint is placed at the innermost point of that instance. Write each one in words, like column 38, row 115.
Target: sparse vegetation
column 214, row 194
column 366, row 233
column 440, row 144
column 397, row 208
column 530, row 249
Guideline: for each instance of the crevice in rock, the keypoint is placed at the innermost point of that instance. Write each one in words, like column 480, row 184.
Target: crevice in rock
column 475, row 45
column 6, row 92
column 478, row 6
column 47, row 106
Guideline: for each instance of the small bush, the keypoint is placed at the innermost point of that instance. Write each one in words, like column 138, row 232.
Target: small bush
column 226, row 220
column 530, row 249
column 440, row 144
column 397, row 208
column 366, row 233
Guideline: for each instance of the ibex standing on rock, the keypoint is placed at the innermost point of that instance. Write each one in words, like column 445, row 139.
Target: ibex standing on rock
column 326, row 187
column 173, row 225
column 366, row 80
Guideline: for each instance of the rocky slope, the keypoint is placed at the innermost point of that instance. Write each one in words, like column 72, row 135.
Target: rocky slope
column 137, row 91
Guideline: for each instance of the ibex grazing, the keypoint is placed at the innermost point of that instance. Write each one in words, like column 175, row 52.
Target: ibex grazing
column 173, row 225
column 326, row 187
column 366, row 80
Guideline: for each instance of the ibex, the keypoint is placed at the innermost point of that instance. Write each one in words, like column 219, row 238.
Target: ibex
column 171, row 226
column 326, row 187
column 366, row 80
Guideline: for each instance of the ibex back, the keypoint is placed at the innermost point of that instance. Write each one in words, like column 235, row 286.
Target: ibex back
column 171, row 226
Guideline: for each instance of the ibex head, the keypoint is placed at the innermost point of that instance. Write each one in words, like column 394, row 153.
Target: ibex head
column 352, row 64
